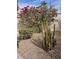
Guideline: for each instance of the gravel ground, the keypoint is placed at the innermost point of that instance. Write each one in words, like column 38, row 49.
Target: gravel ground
column 28, row 50
column 19, row 56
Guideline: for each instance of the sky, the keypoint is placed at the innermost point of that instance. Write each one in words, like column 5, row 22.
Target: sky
column 55, row 3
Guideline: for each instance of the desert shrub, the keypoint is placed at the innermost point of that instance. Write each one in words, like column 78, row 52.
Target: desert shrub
column 24, row 30
column 25, row 33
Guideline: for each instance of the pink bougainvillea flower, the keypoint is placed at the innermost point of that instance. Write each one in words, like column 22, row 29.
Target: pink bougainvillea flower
column 24, row 10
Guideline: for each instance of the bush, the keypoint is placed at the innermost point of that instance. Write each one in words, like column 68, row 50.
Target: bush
column 23, row 30
column 25, row 33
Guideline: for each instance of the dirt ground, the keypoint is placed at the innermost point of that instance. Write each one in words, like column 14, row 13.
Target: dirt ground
column 28, row 50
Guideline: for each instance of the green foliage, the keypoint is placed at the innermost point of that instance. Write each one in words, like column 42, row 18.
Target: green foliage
column 25, row 33
column 43, row 4
column 24, row 30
